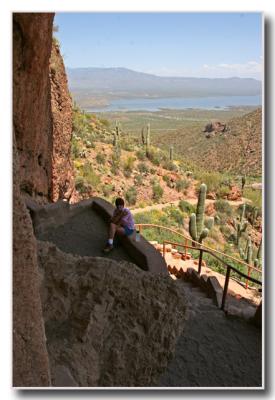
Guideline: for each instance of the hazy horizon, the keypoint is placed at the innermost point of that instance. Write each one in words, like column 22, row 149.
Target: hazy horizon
column 160, row 76
column 195, row 45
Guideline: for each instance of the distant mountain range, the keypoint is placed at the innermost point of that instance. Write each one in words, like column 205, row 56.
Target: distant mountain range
column 112, row 83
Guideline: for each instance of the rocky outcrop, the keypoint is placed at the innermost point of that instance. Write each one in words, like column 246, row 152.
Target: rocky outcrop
column 32, row 42
column 30, row 358
column 213, row 128
column 61, row 106
column 107, row 323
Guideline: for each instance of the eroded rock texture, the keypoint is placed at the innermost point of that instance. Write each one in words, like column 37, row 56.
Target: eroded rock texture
column 32, row 43
column 107, row 323
column 30, row 358
column 61, row 105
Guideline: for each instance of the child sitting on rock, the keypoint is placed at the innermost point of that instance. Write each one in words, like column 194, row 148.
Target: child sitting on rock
column 122, row 223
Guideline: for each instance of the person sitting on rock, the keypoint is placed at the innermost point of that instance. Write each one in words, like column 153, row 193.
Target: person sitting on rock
column 122, row 223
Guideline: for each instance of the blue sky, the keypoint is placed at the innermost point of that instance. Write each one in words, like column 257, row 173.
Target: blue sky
column 167, row 44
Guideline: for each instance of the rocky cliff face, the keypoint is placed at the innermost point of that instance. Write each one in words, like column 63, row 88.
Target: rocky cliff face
column 30, row 357
column 61, row 106
column 42, row 110
column 32, row 43
column 32, row 36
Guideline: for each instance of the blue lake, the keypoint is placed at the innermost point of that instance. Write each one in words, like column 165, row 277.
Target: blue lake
column 209, row 103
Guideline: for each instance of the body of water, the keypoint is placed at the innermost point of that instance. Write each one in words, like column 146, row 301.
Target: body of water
column 208, row 103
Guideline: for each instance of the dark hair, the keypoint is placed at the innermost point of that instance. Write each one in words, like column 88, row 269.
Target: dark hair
column 119, row 202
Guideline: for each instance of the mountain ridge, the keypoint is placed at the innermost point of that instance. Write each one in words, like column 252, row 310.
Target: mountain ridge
column 124, row 82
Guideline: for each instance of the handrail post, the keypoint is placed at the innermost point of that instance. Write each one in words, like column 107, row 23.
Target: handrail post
column 225, row 287
column 186, row 242
column 248, row 274
column 200, row 261
column 163, row 250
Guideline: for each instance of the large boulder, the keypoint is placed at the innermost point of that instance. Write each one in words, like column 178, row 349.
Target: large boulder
column 107, row 324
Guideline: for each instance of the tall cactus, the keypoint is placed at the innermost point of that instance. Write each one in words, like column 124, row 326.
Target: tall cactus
column 196, row 222
column 247, row 254
column 243, row 181
column 171, row 153
column 148, row 140
column 240, row 225
column 143, row 141
column 116, row 141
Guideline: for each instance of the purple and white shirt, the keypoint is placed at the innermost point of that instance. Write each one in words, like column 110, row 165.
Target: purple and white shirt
column 127, row 220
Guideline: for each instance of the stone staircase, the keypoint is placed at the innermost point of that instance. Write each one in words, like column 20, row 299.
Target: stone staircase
column 209, row 285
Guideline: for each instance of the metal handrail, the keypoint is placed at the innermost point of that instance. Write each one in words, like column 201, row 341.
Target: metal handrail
column 228, row 267
column 200, row 244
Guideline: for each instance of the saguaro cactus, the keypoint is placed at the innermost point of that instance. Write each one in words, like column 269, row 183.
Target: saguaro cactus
column 148, row 140
column 240, row 225
column 143, row 141
column 171, row 153
column 247, row 254
column 243, row 181
column 196, row 222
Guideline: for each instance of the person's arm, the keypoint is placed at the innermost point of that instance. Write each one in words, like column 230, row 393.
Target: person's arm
column 118, row 215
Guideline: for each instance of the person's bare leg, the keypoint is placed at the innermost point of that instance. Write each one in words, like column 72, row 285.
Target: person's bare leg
column 113, row 229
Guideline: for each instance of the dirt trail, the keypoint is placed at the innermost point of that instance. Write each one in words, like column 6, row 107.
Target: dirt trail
column 192, row 201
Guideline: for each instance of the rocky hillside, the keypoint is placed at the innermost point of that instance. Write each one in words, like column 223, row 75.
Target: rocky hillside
column 237, row 150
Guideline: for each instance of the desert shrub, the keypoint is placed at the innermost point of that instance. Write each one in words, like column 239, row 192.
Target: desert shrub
column 89, row 143
column 126, row 173
column 175, row 215
column 166, row 178
column 157, row 191
column 100, row 158
column 105, row 122
column 126, row 145
column 107, row 190
column 142, row 167
column 224, row 207
column 129, row 163
column 115, row 164
column 226, row 231
column 187, row 207
column 214, row 234
column 213, row 180
column 169, row 165
column 152, row 171
column 182, row 184
column 141, row 155
column 90, row 176
column 131, row 195
column 154, row 156
column 138, row 180
column 223, row 191
column 75, row 148
column 80, row 184
column 254, row 195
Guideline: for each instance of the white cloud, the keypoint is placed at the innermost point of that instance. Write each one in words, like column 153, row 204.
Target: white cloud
column 250, row 69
